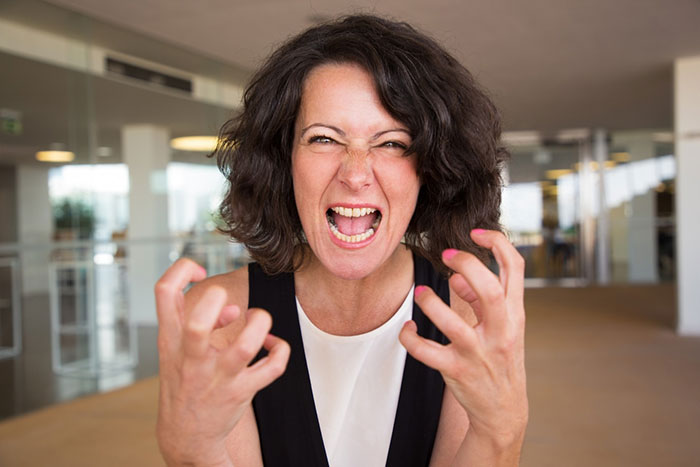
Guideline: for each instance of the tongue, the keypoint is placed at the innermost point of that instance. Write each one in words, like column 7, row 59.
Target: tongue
column 354, row 225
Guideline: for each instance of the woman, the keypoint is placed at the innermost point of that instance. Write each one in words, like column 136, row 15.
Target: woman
column 365, row 163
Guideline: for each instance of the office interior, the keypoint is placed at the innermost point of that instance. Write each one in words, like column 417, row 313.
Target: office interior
column 103, row 186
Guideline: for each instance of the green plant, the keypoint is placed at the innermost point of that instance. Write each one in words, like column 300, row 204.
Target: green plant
column 74, row 215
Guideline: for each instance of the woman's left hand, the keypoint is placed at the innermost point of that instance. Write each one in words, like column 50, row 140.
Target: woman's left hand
column 483, row 365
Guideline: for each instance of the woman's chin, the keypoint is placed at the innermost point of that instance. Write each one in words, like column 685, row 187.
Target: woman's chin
column 354, row 264
column 350, row 268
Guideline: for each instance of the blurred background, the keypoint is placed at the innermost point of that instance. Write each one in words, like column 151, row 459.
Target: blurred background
column 108, row 109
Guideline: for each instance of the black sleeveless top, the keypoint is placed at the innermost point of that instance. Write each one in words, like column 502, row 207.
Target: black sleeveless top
column 285, row 412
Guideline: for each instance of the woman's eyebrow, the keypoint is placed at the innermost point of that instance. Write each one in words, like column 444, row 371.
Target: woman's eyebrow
column 403, row 130
column 323, row 125
column 342, row 133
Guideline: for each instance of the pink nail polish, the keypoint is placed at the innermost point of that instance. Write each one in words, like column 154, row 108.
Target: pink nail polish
column 419, row 290
column 478, row 231
column 449, row 253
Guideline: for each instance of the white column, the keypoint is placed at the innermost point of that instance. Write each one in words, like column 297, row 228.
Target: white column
column 642, row 233
column 146, row 152
column 600, row 154
column 586, row 187
column 687, row 121
column 34, row 226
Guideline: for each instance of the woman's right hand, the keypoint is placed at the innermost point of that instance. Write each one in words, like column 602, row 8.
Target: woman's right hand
column 204, row 390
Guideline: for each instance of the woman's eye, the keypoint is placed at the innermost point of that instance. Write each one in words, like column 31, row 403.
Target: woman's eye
column 321, row 140
column 394, row 144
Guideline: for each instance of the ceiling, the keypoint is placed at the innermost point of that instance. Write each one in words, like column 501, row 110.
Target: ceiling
column 549, row 64
column 79, row 111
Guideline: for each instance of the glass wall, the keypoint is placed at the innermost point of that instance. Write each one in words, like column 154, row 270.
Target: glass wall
column 96, row 202
column 573, row 216
column 541, row 209
column 640, row 203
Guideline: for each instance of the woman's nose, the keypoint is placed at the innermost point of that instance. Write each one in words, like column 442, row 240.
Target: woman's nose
column 356, row 171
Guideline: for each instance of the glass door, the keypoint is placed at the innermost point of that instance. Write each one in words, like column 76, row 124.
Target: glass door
column 541, row 209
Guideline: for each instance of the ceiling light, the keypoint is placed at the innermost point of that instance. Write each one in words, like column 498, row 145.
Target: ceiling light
column 594, row 165
column 573, row 135
column 556, row 173
column 55, row 156
column 620, row 156
column 194, row 143
column 521, row 138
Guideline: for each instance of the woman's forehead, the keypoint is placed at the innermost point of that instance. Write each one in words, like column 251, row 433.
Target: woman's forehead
column 343, row 95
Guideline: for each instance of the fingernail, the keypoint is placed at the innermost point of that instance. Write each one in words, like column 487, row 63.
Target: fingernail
column 449, row 253
column 419, row 290
column 204, row 271
column 478, row 231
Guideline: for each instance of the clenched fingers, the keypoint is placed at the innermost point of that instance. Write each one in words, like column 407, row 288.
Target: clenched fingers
column 169, row 298
column 201, row 322
column 462, row 288
column 511, row 264
column 248, row 343
column 483, row 284
column 268, row 368
column 451, row 324
column 424, row 350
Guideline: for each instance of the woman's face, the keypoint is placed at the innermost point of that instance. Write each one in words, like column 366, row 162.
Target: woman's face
column 355, row 188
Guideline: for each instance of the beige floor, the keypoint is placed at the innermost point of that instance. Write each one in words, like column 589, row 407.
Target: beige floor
column 610, row 384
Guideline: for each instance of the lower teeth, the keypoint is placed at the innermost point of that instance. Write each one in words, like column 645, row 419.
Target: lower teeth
column 351, row 238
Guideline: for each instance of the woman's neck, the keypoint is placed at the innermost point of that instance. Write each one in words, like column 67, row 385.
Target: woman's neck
column 350, row 307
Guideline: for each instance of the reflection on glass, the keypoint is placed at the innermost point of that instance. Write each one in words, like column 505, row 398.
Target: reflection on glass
column 194, row 194
column 543, row 208
column 541, row 212
column 89, row 201
column 640, row 201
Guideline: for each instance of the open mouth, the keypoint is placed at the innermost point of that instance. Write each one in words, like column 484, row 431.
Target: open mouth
column 353, row 225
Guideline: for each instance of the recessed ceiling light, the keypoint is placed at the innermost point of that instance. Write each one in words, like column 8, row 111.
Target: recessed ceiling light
column 621, row 157
column 55, row 156
column 521, row 138
column 594, row 165
column 556, row 173
column 194, row 143
column 573, row 135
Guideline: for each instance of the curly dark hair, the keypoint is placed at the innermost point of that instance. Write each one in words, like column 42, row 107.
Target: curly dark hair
column 454, row 126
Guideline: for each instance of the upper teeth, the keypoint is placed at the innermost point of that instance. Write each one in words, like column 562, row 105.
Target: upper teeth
column 352, row 212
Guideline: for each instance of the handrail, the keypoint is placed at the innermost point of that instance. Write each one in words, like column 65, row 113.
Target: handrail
column 197, row 239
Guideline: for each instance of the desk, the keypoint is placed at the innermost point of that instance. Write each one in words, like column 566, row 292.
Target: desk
column 111, row 429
